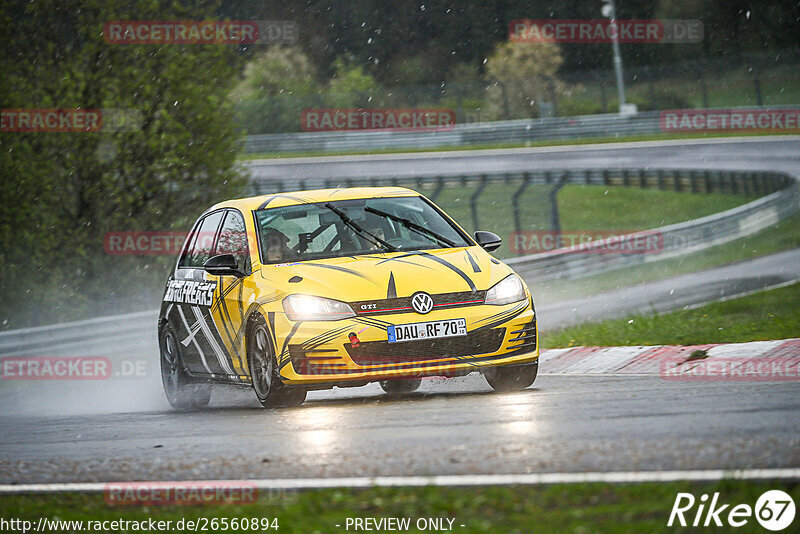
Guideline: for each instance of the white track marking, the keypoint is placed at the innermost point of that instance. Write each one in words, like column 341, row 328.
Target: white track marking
column 709, row 475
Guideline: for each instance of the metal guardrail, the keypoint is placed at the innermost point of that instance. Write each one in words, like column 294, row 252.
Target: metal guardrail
column 514, row 131
column 674, row 240
column 781, row 200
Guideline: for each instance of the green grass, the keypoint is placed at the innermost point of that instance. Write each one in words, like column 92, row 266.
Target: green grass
column 772, row 314
column 782, row 236
column 558, row 508
column 592, row 208
column 490, row 146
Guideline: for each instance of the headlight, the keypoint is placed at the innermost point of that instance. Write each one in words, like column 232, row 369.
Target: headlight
column 509, row 289
column 309, row 308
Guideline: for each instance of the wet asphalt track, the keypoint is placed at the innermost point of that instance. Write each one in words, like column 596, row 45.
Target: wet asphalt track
column 561, row 424
column 122, row 430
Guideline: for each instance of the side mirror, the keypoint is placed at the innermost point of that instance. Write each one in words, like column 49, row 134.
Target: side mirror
column 223, row 265
column 488, row 240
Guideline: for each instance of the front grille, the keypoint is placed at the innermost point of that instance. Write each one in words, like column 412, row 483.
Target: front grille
column 403, row 304
column 382, row 352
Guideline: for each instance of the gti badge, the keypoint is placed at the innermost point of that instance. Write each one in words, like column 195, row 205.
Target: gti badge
column 421, row 302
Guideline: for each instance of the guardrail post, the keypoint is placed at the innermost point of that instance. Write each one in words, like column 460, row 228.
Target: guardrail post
column 625, row 177
column 660, row 178
column 473, row 201
column 692, row 182
column 526, row 180
column 587, row 177
column 642, row 179
column 676, row 181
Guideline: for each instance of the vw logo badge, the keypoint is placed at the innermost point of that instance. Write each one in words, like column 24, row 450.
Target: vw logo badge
column 421, row 302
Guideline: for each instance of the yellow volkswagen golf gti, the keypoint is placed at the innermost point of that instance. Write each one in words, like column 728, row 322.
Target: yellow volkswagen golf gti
column 308, row 290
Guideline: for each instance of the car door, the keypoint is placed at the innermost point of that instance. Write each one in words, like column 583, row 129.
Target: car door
column 234, row 293
column 191, row 294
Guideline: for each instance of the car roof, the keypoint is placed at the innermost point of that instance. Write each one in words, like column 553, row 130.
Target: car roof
column 293, row 198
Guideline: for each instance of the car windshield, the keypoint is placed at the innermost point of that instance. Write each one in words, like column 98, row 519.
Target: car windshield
column 353, row 227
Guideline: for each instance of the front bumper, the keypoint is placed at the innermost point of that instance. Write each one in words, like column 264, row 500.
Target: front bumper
column 318, row 353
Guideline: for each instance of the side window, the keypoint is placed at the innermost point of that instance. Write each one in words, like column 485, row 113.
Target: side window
column 203, row 242
column 233, row 239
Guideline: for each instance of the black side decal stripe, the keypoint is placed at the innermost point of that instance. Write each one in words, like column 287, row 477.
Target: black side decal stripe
column 391, row 293
column 282, row 361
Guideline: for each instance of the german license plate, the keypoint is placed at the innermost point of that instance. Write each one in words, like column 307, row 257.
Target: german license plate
column 428, row 330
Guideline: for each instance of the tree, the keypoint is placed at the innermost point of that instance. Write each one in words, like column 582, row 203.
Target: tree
column 276, row 86
column 62, row 192
column 523, row 77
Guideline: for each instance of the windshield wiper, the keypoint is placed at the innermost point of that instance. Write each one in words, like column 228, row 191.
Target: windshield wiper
column 412, row 226
column 355, row 226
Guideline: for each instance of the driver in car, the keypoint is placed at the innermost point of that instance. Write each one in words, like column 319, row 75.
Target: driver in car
column 276, row 248
column 377, row 232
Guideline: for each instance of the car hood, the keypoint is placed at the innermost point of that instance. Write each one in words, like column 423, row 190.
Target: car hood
column 389, row 275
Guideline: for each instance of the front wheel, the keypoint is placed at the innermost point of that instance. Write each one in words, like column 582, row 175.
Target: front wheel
column 269, row 389
column 511, row 377
column 181, row 392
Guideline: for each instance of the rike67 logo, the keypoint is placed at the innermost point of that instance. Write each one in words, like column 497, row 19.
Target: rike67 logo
column 774, row 510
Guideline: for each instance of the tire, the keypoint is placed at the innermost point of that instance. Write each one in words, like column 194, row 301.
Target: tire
column 267, row 385
column 181, row 391
column 512, row 377
column 400, row 387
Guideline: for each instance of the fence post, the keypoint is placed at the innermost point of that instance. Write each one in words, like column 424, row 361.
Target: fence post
column 526, row 181
column 650, row 89
column 555, row 220
column 756, row 81
column 439, row 187
column 702, row 80
column 473, row 202
column 603, row 100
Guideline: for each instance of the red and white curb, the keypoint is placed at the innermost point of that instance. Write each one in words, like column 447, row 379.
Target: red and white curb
column 733, row 358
